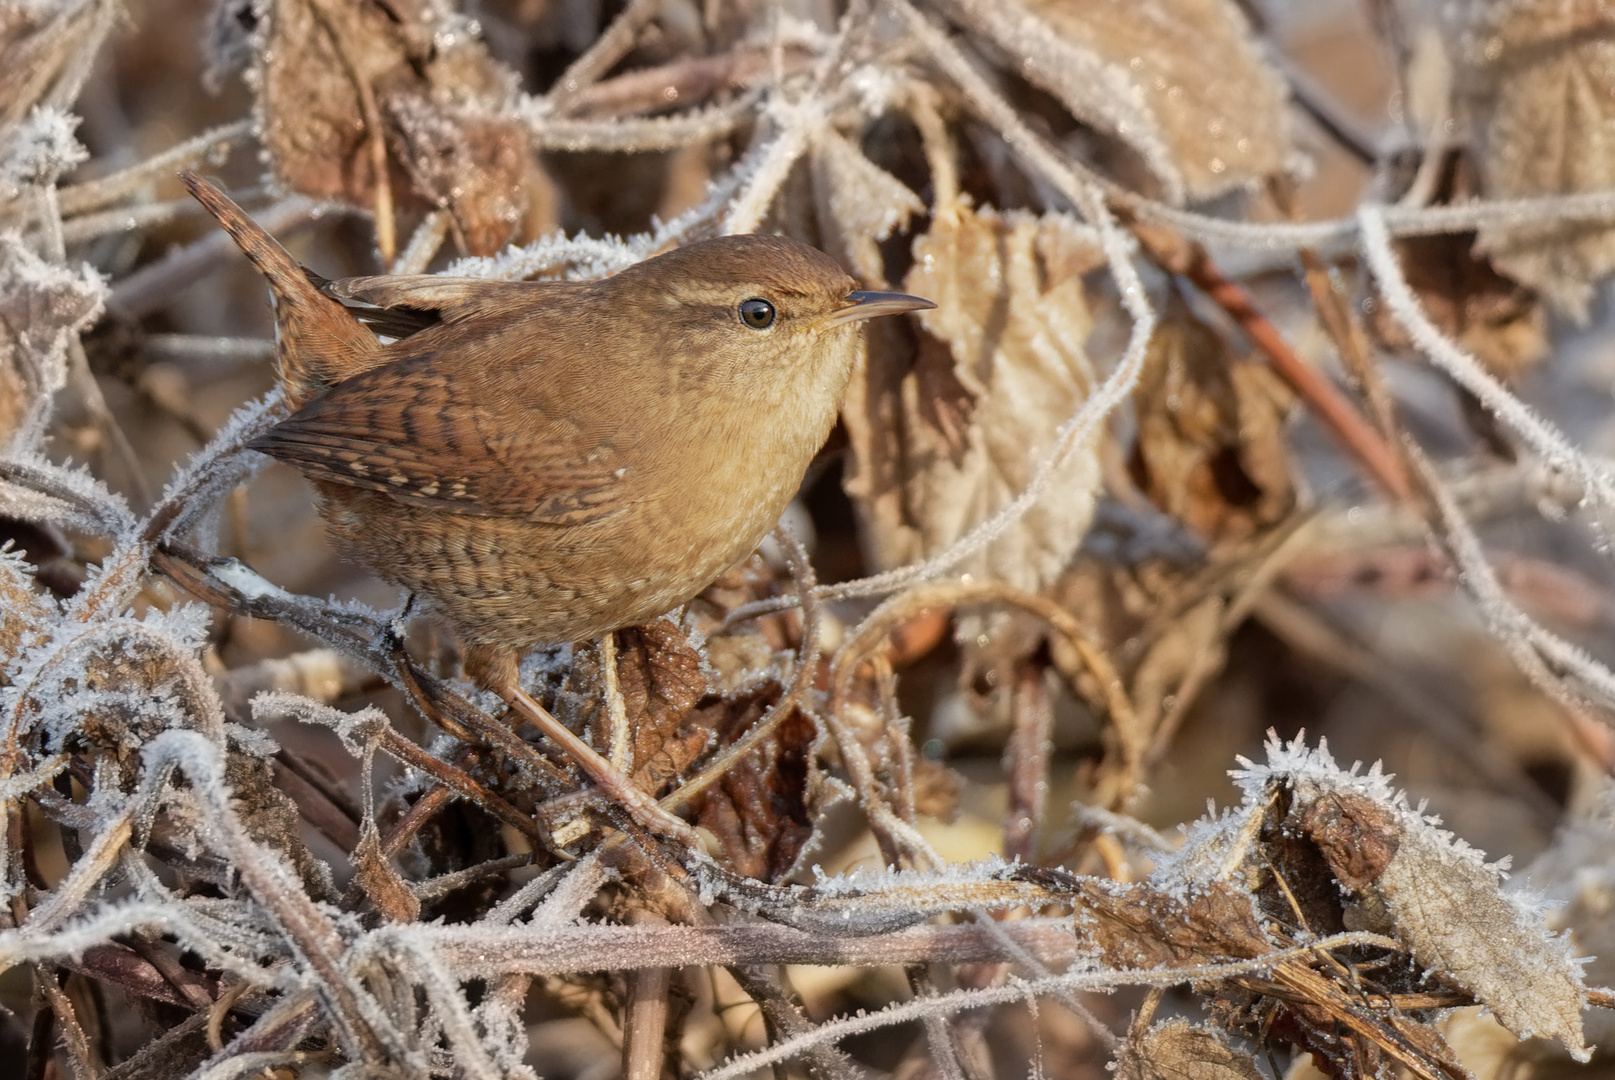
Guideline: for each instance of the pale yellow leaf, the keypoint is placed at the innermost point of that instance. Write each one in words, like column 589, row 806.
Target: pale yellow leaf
column 939, row 448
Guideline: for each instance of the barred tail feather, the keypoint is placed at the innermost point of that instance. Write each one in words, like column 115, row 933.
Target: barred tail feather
column 318, row 341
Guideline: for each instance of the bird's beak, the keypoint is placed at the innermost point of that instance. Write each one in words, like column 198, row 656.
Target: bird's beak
column 867, row 305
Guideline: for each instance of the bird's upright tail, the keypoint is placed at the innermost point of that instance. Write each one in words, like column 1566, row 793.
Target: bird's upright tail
column 318, row 342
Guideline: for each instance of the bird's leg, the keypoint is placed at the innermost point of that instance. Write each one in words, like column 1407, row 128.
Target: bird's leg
column 393, row 642
column 496, row 669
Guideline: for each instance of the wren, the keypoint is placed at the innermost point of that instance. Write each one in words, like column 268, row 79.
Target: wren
column 549, row 461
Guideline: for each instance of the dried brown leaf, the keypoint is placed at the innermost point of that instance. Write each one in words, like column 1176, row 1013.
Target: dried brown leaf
column 759, row 810
column 1449, row 910
column 1179, row 1050
column 1328, row 850
column 1540, row 82
column 309, row 70
column 938, row 448
column 1357, row 837
column 660, row 677
column 1435, row 894
column 330, row 72
column 1210, row 447
column 1141, row 926
column 1179, row 81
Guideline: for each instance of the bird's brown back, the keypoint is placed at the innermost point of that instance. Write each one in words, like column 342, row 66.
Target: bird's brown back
column 548, row 461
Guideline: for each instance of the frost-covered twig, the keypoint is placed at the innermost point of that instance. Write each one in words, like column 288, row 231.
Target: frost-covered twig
column 643, row 134
column 1543, row 656
column 366, row 1031
column 797, row 122
column 1341, row 234
column 128, row 183
column 1542, row 436
column 129, row 219
column 34, row 489
column 151, row 287
column 951, row 1004
column 213, row 471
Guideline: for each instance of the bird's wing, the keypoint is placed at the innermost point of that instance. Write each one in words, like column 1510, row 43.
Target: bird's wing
column 433, row 297
column 427, row 436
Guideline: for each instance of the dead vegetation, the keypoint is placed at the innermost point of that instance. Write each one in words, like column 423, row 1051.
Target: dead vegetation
column 1267, row 389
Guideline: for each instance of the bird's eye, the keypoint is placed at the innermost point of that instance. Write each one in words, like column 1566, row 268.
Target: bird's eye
column 757, row 313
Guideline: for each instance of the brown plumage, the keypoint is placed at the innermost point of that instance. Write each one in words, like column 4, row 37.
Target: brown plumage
column 550, row 461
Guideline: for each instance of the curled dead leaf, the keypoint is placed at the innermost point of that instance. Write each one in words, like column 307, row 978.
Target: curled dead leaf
column 759, row 809
column 335, row 78
column 1450, row 911
column 1407, row 879
column 1210, row 447
column 1539, row 80
column 936, row 449
column 1357, row 837
column 660, row 677
column 1325, row 850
